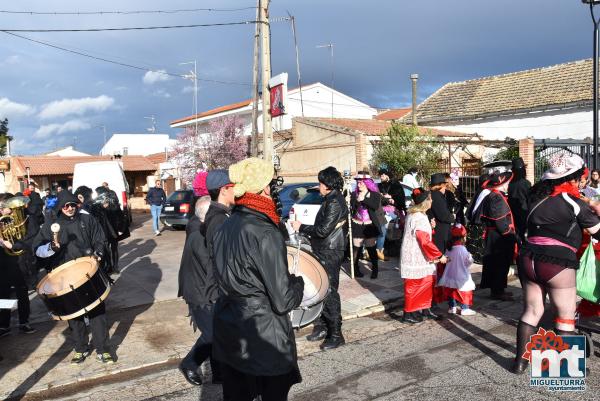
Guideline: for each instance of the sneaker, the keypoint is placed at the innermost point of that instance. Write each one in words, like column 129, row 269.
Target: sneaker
column 4, row 331
column 79, row 357
column 157, row 233
column 104, row 358
column 452, row 310
column 27, row 329
column 468, row 312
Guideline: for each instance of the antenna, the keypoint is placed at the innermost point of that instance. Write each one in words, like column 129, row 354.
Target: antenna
column 153, row 128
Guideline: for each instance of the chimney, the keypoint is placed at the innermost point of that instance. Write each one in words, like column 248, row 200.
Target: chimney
column 414, row 78
column 7, row 146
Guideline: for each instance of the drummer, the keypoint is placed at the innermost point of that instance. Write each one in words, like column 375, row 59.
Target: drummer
column 80, row 235
column 328, row 243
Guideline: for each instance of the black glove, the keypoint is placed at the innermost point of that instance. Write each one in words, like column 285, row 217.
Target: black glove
column 298, row 283
column 55, row 247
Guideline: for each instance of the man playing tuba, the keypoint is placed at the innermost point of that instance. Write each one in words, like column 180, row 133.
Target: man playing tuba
column 11, row 221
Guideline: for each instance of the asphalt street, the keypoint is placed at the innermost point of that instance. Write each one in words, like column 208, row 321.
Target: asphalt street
column 453, row 359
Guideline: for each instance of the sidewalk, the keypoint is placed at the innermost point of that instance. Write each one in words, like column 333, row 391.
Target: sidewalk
column 148, row 324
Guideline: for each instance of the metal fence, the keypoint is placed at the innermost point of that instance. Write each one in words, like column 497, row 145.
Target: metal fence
column 545, row 148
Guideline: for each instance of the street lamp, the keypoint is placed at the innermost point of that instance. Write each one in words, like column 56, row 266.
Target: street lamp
column 592, row 3
column 330, row 46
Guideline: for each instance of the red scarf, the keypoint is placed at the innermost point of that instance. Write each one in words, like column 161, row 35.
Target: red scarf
column 566, row 187
column 260, row 204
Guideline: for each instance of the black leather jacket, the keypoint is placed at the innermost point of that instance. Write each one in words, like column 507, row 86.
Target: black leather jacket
column 328, row 230
column 252, row 330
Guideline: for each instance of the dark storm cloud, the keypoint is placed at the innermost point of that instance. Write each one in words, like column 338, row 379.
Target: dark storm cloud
column 377, row 45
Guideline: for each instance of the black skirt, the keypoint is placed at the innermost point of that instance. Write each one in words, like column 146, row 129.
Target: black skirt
column 365, row 230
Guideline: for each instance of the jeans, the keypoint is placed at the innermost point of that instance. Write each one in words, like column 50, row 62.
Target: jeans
column 155, row 211
column 381, row 239
column 453, row 302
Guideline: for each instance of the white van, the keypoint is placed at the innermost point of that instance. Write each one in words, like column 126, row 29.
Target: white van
column 93, row 174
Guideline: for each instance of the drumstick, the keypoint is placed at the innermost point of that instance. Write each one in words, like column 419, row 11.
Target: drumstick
column 55, row 228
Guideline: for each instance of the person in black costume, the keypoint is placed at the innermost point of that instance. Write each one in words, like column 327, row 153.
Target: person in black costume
column 328, row 243
column 548, row 259
column 518, row 193
column 499, row 236
column 440, row 211
column 253, row 336
column 80, row 235
column 198, row 288
column 11, row 275
column 475, row 227
column 393, row 200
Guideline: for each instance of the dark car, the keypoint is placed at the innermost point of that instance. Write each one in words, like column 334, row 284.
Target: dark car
column 178, row 209
column 292, row 193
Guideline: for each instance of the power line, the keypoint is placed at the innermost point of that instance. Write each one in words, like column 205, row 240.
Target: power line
column 137, row 28
column 118, row 62
column 188, row 10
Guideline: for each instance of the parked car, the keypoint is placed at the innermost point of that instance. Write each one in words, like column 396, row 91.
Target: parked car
column 292, row 193
column 178, row 209
column 305, row 210
column 93, row 174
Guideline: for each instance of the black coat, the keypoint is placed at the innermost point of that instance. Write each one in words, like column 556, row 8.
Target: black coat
column 372, row 202
column 35, row 208
column 443, row 220
column 518, row 199
column 215, row 217
column 328, row 231
column 80, row 235
column 252, row 329
column 395, row 189
column 197, row 284
column 193, row 224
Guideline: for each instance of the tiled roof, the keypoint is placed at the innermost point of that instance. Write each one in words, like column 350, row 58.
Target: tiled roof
column 217, row 110
column 562, row 85
column 59, row 165
column 392, row 114
column 376, row 127
column 157, row 158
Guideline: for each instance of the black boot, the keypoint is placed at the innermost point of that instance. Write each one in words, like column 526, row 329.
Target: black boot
column 334, row 340
column 524, row 333
column 357, row 272
column 428, row 314
column 374, row 261
column 215, row 367
column 412, row 318
column 319, row 332
column 191, row 375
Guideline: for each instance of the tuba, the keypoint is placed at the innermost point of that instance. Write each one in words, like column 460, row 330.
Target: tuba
column 13, row 226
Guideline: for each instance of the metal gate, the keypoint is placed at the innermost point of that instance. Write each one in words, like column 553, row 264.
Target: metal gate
column 545, row 148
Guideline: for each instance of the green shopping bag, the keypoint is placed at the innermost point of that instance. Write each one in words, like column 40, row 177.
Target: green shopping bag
column 587, row 276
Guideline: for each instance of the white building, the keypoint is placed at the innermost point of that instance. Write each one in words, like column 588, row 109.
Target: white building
column 137, row 144
column 67, row 151
column 543, row 103
column 318, row 100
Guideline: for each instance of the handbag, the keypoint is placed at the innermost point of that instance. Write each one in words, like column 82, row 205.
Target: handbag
column 587, row 276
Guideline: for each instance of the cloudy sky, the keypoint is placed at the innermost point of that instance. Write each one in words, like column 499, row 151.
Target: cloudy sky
column 53, row 98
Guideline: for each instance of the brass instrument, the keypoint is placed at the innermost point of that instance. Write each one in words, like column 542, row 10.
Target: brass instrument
column 13, row 226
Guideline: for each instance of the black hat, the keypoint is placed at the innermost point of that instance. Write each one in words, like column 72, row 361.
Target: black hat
column 65, row 197
column 518, row 163
column 419, row 195
column 437, row 178
column 498, row 179
column 384, row 171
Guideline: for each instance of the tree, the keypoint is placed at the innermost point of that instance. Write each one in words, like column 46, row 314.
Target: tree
column 224, row 145
column 509, row 153
column 405, row 146
column 4, row 137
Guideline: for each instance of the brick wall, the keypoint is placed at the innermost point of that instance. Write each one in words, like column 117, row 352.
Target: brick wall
column 527, row 152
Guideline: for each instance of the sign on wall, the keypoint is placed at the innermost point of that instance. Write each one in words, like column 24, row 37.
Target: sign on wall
column 278, row 92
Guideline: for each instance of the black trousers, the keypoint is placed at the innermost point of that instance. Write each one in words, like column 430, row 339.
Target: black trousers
column 113, row 249
column 331, row 317
column 98, row 327
column 240, row 386
column 202, row 315
column 12, row 277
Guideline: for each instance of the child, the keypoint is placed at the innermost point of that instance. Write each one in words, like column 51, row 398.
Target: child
column 457, row 279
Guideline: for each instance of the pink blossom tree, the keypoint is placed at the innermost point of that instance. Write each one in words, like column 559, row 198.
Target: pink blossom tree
column 224, row 145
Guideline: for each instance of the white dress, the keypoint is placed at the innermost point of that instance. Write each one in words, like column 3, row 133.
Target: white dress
column 458, row 270
column 413, row 264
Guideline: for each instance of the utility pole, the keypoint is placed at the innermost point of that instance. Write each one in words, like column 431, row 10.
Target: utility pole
column 265, row 34
column 414, row 78
column 193, row 76
column 254, row 142
column 330, row 46
column 293, row 19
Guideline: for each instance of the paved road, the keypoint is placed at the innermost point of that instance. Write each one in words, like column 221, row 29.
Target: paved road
column 453, row 359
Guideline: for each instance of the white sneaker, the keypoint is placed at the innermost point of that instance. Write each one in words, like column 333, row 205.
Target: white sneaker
column 468, row 312
column 452, row 310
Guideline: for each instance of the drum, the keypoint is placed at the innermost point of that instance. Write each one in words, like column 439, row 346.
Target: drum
column 302, row 262
column 74, row 288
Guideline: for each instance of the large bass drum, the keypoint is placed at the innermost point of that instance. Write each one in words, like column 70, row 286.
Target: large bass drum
column 302, row 262
column 74, row 288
